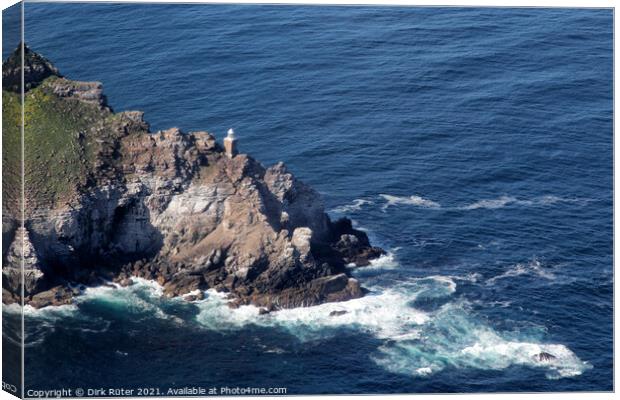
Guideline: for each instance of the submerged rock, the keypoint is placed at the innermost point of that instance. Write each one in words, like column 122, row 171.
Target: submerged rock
column 56, row 296
column 337, row 313
column 545, row 357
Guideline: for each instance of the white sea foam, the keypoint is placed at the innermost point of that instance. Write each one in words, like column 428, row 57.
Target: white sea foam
column 490, row 204
column 386, row 261
column 411, row 200
column 13, row 309
column 49, row 312
column 355, row 205
column 472, row 277
column 452, row 337
column 186, row 296
column 504, row 201
column 445, row 282
column 415, row 342
column 533, row 268
column 45, row 320
column 424, row 371
column 385, row 314
column 494, row 352
column 141, row 299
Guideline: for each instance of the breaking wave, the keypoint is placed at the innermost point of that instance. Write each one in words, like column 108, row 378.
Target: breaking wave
column 42, row 322
column 141, row 301
column 415, row 342
column 386, row 261
column 384, row 313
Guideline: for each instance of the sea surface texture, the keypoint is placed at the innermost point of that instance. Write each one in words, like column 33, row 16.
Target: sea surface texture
column 474, row 144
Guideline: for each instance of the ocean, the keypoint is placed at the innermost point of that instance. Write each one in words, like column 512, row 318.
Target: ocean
column 474, row 144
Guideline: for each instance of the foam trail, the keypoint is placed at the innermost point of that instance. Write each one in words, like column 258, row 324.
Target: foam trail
column 472, row 277
column 491, row 204
column 356, row 205
column 532, row 268
column 411, row 200
column 505, row 201
column 445, row 282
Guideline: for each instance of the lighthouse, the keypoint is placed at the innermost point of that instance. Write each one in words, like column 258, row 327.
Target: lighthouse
column 230, row 144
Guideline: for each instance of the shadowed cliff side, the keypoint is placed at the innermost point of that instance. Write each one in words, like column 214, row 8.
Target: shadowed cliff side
column 106, row 199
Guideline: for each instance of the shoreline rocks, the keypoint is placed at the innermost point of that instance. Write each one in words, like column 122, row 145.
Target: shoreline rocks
column 171, row 207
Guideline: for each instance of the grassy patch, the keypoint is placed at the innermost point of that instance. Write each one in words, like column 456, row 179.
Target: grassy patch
column 59, row 144
column 69, row 144
column 11, row 151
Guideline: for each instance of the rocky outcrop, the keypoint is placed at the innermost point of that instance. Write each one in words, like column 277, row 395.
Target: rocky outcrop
column 87, row 92
column 352, row 245
column 172, row 207
column 36, row 69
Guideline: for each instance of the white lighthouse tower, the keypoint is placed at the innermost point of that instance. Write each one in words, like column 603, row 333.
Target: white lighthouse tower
column 230, row 144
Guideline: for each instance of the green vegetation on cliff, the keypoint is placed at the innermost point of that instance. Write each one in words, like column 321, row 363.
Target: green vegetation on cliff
column 69, row 134
column 11, row 151
column 57, row 152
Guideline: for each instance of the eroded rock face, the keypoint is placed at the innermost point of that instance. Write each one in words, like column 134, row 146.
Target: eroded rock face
column 88, row 92
column 170, row 206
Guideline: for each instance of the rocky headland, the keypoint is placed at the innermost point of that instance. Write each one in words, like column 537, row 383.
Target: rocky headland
column 106, row 200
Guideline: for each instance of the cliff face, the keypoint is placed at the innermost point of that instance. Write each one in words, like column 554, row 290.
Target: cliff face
column 106, row 198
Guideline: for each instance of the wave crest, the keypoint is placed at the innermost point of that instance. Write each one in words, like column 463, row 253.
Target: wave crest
column 355, row 205
column 415, row 342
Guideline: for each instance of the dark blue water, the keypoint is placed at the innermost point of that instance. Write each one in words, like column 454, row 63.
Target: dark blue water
column 475, row 144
